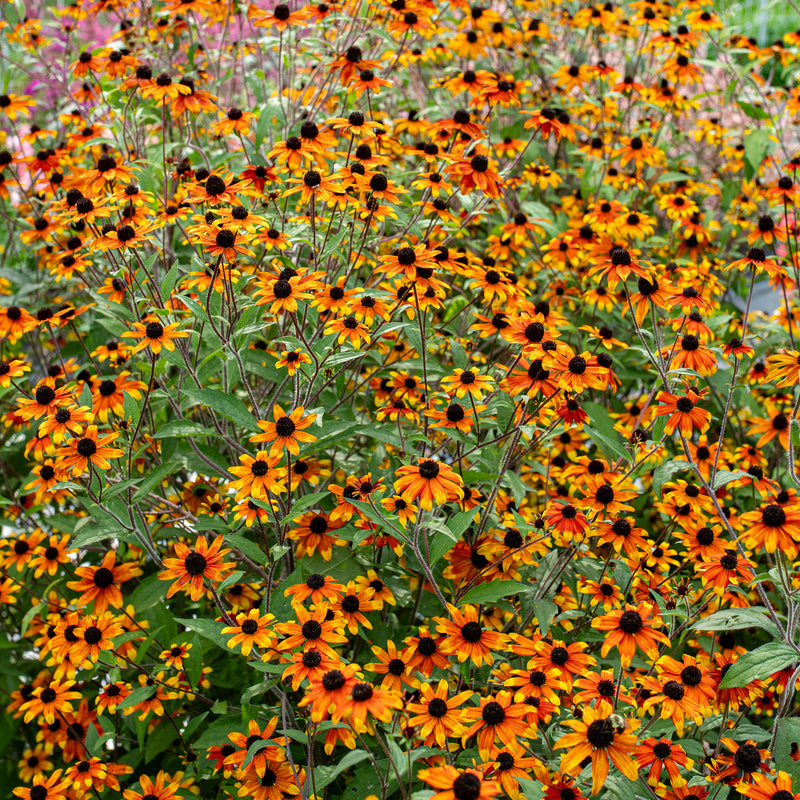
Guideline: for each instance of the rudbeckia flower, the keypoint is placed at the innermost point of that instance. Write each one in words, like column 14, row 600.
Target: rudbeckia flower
column 601, row 737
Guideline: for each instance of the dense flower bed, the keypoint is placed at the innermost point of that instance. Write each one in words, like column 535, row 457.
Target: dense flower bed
column 398, row 400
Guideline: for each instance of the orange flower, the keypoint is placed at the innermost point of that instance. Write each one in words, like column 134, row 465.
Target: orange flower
column 53, row 787
column 365, row 699
column 731, row 569
column 683, row 412
column 618, row 266
column 47, row 399
column 773, row 527
column 313, row 630
column 477, row 172
column 101, row 584
column 630, row 627
column 567, row 520
column 438, row 716
column 259, row 476
column 162, row 788
column 660, row 753
column 765, row 787
column 90, row 448
column 286, row 431
column 13, row 105
column 251, row 630
column 65, row 420
column 428, row 482
column 545, row 121
column 497, row 718
column 331, row 691
column 349, row 327
column 597, row 737
column 392, row 664
column 54, row 698
column 320, row 588
column 94, row 634
column 154, row 335
column 466, row 637
column 456, row 784
column 192, row 566
column 235, row 121
column 314, row 185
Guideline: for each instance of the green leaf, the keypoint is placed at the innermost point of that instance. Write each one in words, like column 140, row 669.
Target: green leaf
column 29, row 615
column 217, row 731
column 622, row 787
column 250, row 549
column 754, row 112
column 158, row 742
column 194, row 664
column 148, row 593
column 168, row 284
column 273, row 669
column 494, row 590
column 374, row 514
column 673, row 177
column 138, row 696
column 324, row 775
column 232, row 579
column 294, row 734
column 723, row 476
column 207, row 628
column 458, row 523
column 332, row 432
column 531, row 789
column 759, row 664
column 611, row 448
column 262, row 126
column 544, row 611
column 304, row 502
column 118, row 488
column 788, row 732
column 221, row 402
column 665, row 471
column 729, row 191
column 756, row 146
column 94, row 740
column 67, row 485
column 256, row 691
column 253, row 749
column 439, row 545
column 387, row 436
column 154, row 478
column 182, row 427
column 737, row 618
column 745, row 730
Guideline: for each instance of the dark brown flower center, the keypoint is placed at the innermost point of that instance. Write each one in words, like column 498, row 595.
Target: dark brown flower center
column 195, row 563
column 467, row 787
column 471, row 632
column 630, row 622
column 600, row 733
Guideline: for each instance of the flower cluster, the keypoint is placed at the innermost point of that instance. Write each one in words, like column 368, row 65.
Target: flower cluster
column 399, row 399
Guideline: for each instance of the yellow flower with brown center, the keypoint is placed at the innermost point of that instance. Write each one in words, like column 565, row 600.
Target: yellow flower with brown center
column 286, row 431
column 597, row 736
column 429, row 481
column 190, row 567
column 154, row 335
column 90, row 448
column 251, row 630
column 54, row 698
